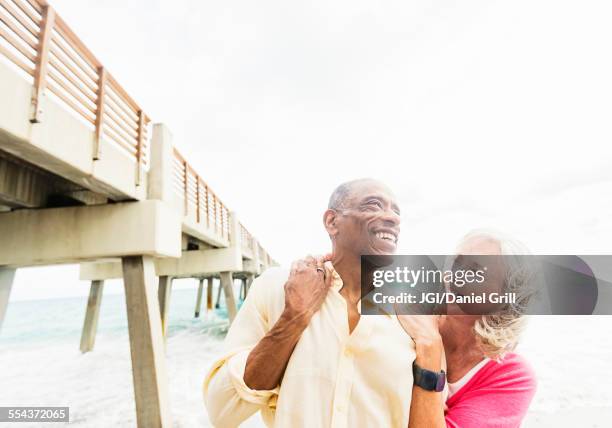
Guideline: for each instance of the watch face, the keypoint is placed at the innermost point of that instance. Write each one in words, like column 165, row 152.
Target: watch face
column 441, row 381
column 430, row 380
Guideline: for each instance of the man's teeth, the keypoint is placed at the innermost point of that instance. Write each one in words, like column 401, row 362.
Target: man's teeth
column 387, row 236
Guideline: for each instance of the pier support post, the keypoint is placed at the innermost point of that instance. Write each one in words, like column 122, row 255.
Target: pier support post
column 218, row 301
column 249, row 280
column 242, row 295
column 146, row 343
column 163, row 294
column 6, row 283
column 228, row 290
column 199, row 298
column 92, row 312
column 209, row 294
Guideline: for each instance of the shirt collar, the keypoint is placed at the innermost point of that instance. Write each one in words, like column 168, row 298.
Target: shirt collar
column 337, row 284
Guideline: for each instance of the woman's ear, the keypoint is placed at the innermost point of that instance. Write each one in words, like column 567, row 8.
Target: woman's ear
column 330, row 218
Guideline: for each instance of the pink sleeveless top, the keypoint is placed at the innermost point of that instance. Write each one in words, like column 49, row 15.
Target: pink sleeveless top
column 498, row 395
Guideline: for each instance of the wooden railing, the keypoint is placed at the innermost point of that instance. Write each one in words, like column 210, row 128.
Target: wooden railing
column 39, row 42
column 247, row 239
column 198, row 198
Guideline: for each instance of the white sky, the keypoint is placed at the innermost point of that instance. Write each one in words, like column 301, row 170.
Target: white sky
column 482, row 113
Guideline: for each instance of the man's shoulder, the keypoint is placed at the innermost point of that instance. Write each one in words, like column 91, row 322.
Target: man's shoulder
column 271, row 282
column 268, row 291
column 273, row 276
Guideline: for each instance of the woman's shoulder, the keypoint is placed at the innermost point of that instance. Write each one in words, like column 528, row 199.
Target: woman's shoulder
column 513, row 370
column 497, row 396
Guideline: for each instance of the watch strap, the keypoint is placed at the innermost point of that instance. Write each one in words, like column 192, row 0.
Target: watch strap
column 427, row 379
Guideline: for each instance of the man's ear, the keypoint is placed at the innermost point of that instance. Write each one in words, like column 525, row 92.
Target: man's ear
column 330, row 218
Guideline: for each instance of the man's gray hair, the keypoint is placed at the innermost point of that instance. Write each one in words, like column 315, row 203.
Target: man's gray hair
column 339, row 196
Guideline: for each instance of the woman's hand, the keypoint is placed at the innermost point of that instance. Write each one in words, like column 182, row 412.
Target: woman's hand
column 425, row 331
column 422, row 328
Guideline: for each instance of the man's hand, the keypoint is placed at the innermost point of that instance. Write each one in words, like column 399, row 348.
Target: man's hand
column 307, row 286
column 305, row 291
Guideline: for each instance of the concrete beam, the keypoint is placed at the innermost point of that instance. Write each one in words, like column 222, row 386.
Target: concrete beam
column 7, row 276
column 87, row 197
column 195, row 263
column 64, row 235
column 146, row 343
column 21, row 186
column 251, row 266
column 201, row 263
column 202, row 232
column 90, row 325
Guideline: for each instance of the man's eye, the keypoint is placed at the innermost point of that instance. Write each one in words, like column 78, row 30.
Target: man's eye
column 374, row 204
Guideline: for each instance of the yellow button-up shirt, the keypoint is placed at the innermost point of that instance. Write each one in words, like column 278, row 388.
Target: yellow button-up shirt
column 333, row 379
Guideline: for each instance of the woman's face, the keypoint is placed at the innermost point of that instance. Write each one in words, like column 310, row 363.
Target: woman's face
column 468, row 258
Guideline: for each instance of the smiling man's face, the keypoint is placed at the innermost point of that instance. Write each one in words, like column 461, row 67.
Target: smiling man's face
column 368, row 222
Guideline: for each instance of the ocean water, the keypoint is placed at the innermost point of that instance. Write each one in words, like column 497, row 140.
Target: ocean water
column 40, row 363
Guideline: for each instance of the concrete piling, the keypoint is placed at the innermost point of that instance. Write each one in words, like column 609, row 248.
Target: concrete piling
column 92, row 312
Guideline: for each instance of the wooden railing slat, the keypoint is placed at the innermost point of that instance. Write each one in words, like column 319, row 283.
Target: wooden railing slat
column 26, row 37
column 123, row 94
column 76, row 59
column 17, row 44
column 62, row 66
column 16, row 60
column 112, row 107
column 110, row 133
column 121, row 105
column 120, row 123
column 76, row 107
column 27, row 24
column 130, row 140
column 71, row 91
column 76, row 43
column 37, row 5
column 27, row 11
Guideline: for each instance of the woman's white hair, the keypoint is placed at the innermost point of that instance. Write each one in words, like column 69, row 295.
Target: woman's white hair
column 499, row 333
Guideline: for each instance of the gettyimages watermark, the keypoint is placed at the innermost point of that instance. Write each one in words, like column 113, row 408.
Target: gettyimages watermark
column 486, row 284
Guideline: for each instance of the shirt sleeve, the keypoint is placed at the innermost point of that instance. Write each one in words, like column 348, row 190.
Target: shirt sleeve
column 229, row 401
column 499, row 401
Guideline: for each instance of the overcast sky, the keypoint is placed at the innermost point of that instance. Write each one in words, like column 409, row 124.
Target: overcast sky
column 477, row 114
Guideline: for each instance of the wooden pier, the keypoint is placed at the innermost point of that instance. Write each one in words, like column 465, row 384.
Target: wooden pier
column 87, row 177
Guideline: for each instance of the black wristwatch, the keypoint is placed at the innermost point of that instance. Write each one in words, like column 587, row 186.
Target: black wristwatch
column 428, row 380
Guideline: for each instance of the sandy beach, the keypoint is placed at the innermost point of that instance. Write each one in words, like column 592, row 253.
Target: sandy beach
column 43, row 366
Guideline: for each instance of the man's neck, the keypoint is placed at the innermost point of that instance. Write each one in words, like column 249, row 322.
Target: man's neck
column 349, row 269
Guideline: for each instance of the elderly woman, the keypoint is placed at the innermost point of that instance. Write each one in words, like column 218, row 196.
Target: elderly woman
column 488, row 385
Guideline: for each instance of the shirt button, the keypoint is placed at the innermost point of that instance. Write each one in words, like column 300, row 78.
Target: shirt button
column 348, row 353
column 340, row 407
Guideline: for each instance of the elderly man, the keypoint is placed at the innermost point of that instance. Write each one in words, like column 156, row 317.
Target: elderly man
column 298, row 350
